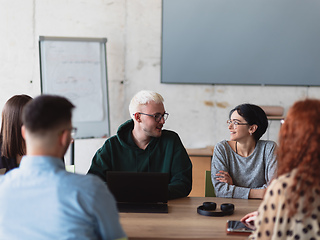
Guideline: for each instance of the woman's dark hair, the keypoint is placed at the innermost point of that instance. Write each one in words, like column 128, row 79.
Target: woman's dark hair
column 12, row 142
column 253, row 114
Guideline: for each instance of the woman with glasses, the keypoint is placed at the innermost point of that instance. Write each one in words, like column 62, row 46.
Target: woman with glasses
column 291, row 206
column 243, row 166
column 12, row 144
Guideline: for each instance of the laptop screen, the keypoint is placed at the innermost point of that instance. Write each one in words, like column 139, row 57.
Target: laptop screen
column 142, row 187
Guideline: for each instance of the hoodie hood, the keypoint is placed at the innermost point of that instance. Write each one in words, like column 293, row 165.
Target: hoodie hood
column 124, row 134
column 140, row 156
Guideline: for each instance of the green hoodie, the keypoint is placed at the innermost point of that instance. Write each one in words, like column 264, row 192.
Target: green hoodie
column 163, row 154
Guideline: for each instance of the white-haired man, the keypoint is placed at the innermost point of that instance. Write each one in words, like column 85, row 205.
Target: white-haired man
column 141, row 145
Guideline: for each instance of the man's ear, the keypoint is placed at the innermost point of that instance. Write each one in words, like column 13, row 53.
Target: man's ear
column 64, row 138
column 137, row 117
column 23, row 132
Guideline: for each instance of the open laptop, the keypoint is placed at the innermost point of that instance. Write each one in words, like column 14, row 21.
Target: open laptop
column 143, row 192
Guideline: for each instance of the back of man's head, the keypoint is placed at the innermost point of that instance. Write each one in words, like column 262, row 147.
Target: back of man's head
column 46, row 112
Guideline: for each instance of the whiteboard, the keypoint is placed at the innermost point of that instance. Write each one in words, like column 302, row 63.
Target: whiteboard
column 75, row 68
column 254, row 42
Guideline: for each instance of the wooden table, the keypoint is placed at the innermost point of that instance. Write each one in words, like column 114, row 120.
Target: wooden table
column 183, row 221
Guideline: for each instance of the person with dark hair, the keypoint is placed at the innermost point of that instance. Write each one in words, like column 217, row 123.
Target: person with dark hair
column 12, row 143
column 244, row 166
column 40, row 199
column 290, row 208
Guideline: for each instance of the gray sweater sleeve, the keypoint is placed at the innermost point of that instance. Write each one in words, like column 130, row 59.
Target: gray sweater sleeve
column 271, row 162
column 247, row 173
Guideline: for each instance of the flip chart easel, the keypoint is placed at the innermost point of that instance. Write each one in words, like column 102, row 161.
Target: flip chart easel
column 76, row 69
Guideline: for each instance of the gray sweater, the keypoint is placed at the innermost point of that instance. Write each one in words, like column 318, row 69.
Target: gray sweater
column 252, row 172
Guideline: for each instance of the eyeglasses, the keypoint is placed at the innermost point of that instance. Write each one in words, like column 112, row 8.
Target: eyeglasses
column 73, row 131
column 235, row 123
column 157, row 116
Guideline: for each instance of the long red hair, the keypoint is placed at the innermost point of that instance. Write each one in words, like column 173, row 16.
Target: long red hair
column 299, row 148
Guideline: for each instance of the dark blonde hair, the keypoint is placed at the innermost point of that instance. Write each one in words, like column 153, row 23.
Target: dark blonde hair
column 299, row 149
column 12, row 142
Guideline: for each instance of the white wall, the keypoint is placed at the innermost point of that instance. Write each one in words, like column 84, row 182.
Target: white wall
column 133, row 29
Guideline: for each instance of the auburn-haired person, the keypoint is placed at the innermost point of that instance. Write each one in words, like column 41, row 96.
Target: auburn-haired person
column 291, row 206
column 11, row 141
